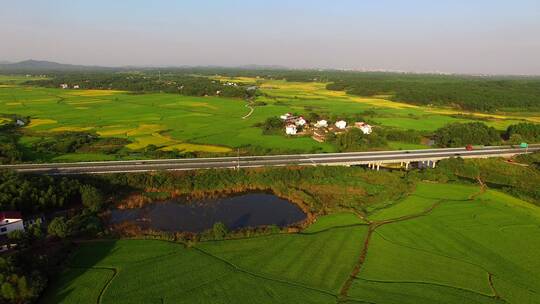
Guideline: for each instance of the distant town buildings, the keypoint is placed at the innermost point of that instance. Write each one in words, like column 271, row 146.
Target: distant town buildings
column 76, row 86
column 64, row 86
column 10, row 221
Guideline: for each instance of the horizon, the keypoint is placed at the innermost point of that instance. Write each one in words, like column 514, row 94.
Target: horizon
column 417, row 37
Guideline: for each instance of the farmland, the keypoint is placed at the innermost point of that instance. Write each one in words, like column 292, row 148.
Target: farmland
column 444, row 243
column 212, row 125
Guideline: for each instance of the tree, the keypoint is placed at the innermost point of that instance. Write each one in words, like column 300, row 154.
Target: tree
column 523, row 132
column 459, row 135
column 271, row 125
column 91, row 198
column 58, row 227
column 219, row 231
column 17, row 286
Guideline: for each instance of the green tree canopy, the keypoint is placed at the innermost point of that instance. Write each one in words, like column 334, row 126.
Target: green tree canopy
column 459, row 135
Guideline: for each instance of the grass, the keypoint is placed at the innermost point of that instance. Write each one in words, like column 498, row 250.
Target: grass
column 334, row 220
column 215, row 125
column 456, row 247
column 162, row 272
column 79, row 285
column 309, row 259
column 468, row 249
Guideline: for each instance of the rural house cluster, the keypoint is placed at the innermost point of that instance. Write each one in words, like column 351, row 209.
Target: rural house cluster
column 298, row 125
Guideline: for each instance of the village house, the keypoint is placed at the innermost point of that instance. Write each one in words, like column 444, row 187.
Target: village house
column 286, row 116
column 19, row 123
column 300, row 121
column 64, row 86
column 364, row 127
column 76, row 86
column 290, row 129
column 10, row 221
column 321, row 124
column 320, row 135
column 341, row 124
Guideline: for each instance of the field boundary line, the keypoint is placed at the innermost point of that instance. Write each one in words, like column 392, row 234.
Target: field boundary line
column 240, row 269
column 284, row 234
column 431, row 283
column 343, row 294
column 332, row 228
column 109, row 281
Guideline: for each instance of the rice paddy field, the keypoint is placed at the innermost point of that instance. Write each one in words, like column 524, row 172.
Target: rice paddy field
column 445, row 243
column 213, row 125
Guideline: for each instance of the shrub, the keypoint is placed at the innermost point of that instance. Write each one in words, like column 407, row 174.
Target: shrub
column 91, row 198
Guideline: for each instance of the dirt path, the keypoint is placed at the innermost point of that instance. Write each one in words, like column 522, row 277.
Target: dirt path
column 344, row 291
column 251, row 108
column 496, row 295
column 483, row 188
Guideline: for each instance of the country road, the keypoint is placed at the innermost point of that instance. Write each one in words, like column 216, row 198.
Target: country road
column 352, row 158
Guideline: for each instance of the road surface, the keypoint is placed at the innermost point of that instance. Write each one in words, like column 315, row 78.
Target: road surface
column 352, row 158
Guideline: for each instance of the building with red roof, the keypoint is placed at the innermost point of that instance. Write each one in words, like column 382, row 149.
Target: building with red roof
column 10, row 221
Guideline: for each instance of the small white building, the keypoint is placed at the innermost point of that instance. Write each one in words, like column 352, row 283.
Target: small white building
column 300, row 121
column 19, row 123
column 10, row 221
column 64, row 86
column 290, row 129
column 321, row 124
column 286, row 116
column 76, row 86
column 364, row 127
column 341, row 124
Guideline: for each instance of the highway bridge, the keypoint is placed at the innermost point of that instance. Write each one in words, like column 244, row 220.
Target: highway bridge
column 373, row 159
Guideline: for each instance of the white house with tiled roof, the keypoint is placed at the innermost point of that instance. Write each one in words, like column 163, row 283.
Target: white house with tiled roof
column 10, row 221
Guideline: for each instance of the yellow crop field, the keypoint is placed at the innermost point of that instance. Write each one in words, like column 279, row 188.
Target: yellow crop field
column 71, row 129
column 89, row 93
column 35, row 122
column 195, row 147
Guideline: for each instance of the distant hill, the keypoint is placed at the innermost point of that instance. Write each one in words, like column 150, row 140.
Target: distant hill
column 50, row 66
column 42, row 66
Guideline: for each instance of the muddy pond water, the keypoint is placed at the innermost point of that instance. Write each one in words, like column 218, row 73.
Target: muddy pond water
column 245, row 210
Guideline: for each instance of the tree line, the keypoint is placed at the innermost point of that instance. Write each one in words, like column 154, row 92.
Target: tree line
column 145, row 82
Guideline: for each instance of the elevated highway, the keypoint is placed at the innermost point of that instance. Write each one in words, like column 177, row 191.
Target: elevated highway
column 374, row 159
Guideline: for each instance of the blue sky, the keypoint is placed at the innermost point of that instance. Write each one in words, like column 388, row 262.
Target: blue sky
column 475, row 36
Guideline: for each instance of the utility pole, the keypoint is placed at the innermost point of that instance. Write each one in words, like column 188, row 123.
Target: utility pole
column 238, row 158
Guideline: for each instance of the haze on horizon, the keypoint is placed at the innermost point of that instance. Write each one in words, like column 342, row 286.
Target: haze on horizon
column 489, row 37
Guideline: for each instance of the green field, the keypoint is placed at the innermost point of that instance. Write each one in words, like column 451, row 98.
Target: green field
column 211, row 124
column 444, row 243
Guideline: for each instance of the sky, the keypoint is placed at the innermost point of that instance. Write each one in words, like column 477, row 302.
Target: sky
column 451, row 36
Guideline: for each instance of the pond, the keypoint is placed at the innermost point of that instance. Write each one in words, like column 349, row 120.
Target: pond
column 246, row 210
